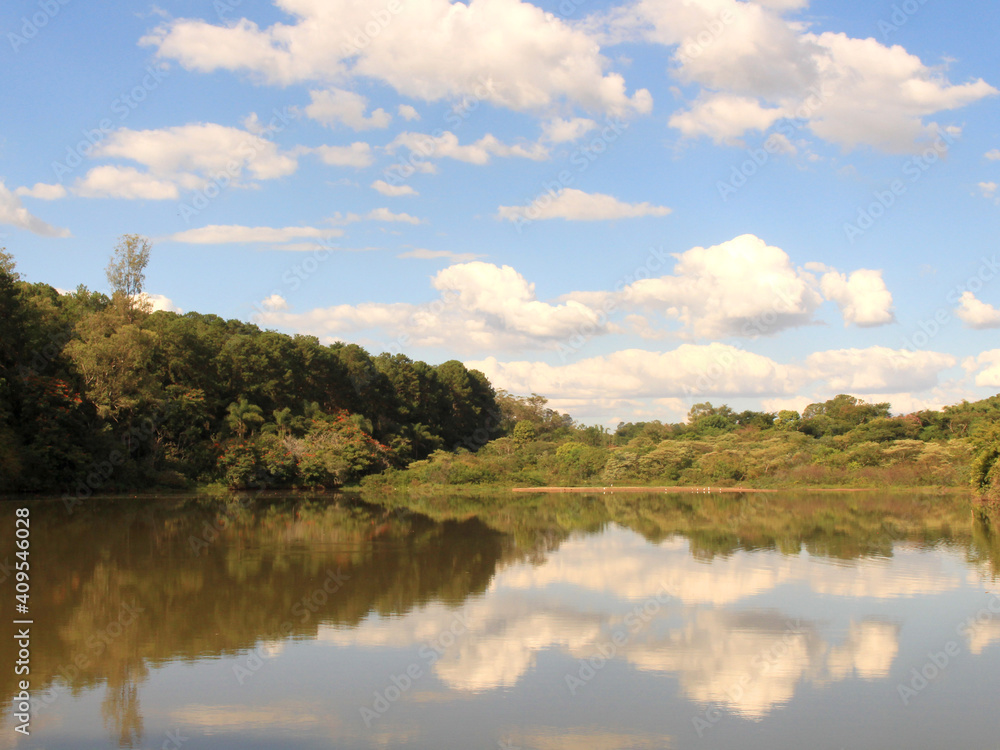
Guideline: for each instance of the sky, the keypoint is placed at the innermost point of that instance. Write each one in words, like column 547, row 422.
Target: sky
column 627, row 207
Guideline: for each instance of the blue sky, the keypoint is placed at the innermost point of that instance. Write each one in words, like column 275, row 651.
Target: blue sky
column 626, row 207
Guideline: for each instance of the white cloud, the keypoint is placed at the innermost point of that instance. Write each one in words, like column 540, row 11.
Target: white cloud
column 993, row 155
column 12, row 213
column 759, row 66
column 393, row 191
column 187, row 157
column 506, row 52
column 712, row 369
column 742, row 287
column 159, row 302
column 127, row 183
column 199, row 148
column 560, row 130
column 977, row 314
column 862, row 297
column 446, row 145
column 481, row 307
column 988, row 189
column 421, row 253
column 575, row 205
column 43, row 192
column 724, row 117
column 334, row 106
column 384, row 214
column 877, row 369
column 719, row 370
column 357, row 155
column 408, row 113
column 274, row 303
column 988, row 365
column 217, row 234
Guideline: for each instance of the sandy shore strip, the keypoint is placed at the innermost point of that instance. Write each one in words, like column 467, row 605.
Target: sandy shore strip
column 611, row 488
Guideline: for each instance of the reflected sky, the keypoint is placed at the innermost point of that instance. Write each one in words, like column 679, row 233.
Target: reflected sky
column 461, row 633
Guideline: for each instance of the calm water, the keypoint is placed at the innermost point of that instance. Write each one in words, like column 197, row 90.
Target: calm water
column 586, row 622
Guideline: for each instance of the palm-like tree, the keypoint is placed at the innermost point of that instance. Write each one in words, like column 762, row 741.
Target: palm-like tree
column 242, row 415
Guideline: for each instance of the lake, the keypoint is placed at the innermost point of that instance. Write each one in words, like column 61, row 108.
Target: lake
column 592, row 622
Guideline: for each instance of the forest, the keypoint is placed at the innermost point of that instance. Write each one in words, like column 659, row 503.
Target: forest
column 98, row 394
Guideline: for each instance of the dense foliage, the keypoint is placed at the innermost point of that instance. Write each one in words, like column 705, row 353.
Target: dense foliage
column 841, row 442
column 99, row 394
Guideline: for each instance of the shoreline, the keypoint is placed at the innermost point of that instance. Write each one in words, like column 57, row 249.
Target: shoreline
column 707, row 490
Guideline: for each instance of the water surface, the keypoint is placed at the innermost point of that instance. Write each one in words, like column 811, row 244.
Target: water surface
column 597, row 622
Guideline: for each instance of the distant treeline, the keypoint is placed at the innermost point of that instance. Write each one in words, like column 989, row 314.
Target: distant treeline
column 99, row 394
column 840, row 442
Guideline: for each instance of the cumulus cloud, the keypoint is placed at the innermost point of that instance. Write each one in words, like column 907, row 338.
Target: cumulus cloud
column 127, row 183
column 274, row 303
column 481, row 307
column 719, row 370
column 481, row 152
column 160, row 302
column 14, row 214
column 199, row 148
column 862, row 297
column 185, row 157
column 509, row 53
column 43, row 192
column 724, row 117
column 877, row 369
column 977, row 314
column 576, row 205
column 986, row 365
column 753, row 66
column 561, row 130
column 742, row 287
column 393, row 191
column 712, row 369
column 337, row 106
column 408, row 113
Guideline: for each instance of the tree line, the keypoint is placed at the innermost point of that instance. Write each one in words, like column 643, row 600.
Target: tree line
column 98, row 393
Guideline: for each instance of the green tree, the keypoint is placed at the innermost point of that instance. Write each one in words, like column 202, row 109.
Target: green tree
column 126, row 274
column 241, row 416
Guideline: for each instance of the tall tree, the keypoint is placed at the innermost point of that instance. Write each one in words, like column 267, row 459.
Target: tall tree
column 126, row 274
